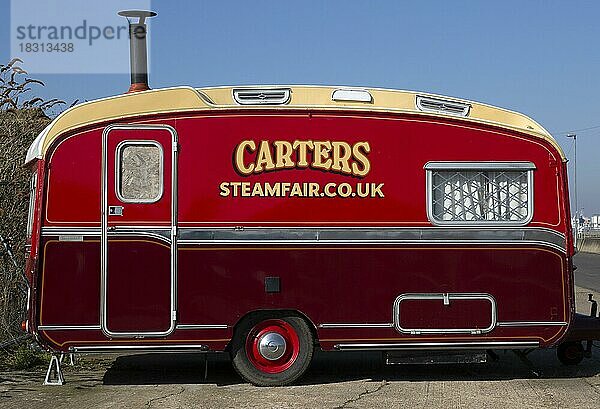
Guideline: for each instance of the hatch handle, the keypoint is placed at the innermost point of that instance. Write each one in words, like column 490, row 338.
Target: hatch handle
column 115, row 210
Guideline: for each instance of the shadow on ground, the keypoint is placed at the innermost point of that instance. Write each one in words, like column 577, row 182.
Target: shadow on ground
column 333, row 367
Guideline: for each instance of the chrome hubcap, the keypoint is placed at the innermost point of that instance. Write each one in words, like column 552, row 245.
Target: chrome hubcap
column 271, row 346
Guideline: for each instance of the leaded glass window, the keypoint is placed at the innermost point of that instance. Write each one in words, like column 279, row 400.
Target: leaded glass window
column 139, row 173
column 472, row 195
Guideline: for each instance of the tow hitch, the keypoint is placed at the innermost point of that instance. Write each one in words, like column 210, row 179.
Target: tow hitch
column 584, row 329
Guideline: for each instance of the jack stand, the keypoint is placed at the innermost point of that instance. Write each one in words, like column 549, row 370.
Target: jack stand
column 522, row 355
column 593, row 307
column 71, row 359
column 54, row 374
column 205, row 366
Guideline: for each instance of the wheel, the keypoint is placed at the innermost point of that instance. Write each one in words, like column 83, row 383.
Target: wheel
column 570, row 353
column 272, row 351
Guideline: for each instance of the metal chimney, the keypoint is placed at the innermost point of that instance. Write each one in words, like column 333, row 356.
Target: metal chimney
column 138, row 54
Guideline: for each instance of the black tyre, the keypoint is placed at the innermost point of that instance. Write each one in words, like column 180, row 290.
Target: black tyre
column 272, row 351
column 570, row 353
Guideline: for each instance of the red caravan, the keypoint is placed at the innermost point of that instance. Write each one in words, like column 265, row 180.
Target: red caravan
column 269, row 221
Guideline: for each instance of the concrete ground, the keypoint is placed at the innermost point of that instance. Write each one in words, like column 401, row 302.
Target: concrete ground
column 335, row 380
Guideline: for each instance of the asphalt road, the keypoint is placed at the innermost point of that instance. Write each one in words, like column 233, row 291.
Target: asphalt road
column 587, row 274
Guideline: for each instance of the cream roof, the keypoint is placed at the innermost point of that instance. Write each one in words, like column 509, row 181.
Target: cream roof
column 185, row 99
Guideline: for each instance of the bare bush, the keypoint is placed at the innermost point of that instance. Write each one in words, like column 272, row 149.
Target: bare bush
column 22, row 117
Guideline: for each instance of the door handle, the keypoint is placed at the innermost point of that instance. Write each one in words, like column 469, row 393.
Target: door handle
column 115, row 210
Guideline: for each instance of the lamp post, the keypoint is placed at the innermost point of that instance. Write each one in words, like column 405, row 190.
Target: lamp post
column 574, row 136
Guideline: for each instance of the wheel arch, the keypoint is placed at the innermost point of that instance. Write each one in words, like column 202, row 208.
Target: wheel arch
column 257, row 315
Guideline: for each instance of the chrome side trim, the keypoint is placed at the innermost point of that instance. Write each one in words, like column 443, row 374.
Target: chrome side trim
column 531, row 323
column 68, row 328
column 142, row 348
column 335, row 235
column 373, row 236
column 325, row 232
column 374, row 325
column 201, row 326
column 163, row 235
column 80, row 231
column 439, row 345
column 105, row 233
column 446, row 298
column 365, row 242
column 498, row 324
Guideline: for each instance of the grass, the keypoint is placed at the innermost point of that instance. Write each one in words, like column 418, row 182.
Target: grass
column 25, row 356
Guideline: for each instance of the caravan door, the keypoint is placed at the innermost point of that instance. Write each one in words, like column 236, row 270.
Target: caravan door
column 139, row 224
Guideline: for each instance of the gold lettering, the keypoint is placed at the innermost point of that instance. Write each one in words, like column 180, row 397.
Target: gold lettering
column 264, row 159
column 344, row 189
column 341, row 156
column 359, row 189
column 235, row 186
column 302, row 147
column 249, row 146
column 245, row 189
column 283, row 153
column 224, row 189
column 273, row 190
column 362, row 158
column 296, row 190
column 285, row 188
column 328, row 190
column 313, row 189
column 376, row 190
column 322, row 150
column 257, row 190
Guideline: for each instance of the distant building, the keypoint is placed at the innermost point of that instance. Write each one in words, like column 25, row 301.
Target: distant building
column 595, row 221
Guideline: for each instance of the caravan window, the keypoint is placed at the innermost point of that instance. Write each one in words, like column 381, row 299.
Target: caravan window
column 471, row 193
column 139, row 171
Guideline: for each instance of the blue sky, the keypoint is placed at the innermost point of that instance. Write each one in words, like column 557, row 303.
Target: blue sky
column 541, row 58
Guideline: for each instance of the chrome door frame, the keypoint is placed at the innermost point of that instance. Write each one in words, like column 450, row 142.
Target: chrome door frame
column 104, row 233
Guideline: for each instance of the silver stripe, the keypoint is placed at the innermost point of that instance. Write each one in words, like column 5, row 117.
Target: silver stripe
column 498, row 324
column 145, row 348
column 336, row 235
column 439, row 345
column 531, row 324
column 80, row 231
column 201, row 326
column 68, row 327
column 375, row 325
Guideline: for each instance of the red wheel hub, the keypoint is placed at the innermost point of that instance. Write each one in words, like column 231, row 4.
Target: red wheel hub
column 272, row 346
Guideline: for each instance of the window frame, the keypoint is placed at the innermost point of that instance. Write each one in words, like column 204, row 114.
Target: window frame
column 118, row 155
column 432, row 166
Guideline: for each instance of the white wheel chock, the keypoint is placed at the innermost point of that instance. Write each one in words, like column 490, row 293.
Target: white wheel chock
column 54, row 375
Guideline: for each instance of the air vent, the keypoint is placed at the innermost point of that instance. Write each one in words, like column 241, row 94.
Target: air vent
column 255, row 96
column 442, row 106
column 352, row 95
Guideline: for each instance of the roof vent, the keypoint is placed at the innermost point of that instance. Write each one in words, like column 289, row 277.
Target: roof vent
column 352, row 95
column 442, row 106
column 256, row 96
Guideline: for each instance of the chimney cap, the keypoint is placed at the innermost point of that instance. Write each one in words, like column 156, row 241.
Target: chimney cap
column 142, row 14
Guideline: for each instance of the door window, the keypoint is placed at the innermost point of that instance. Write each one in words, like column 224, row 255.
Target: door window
column 139, row 170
